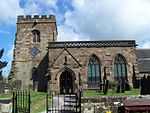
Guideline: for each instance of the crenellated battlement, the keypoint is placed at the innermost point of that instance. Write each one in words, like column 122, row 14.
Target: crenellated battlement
column 39, row 18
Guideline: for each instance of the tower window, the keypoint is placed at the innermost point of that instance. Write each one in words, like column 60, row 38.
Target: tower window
column 94, row 72
column 36, row 36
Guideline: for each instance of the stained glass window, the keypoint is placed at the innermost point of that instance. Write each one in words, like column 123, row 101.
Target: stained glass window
column 94, row 72
column 120, row 67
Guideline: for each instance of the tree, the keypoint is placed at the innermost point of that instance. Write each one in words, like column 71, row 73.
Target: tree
column 2, row 64
column 1, row 77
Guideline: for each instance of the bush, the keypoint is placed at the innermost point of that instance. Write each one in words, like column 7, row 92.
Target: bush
column 113, row 85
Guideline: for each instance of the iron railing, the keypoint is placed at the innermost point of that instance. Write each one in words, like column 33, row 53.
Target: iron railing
column 21, row 102
column 66, row 103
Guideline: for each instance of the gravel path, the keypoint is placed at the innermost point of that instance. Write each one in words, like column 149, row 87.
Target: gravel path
column 43, row 112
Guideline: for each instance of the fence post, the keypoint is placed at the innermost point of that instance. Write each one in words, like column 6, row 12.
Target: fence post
column 23, row 103
column 80, row 101
column 13, row 103
column 76, row 102
column 47, row 103
column 29, row 101
column 16, row 103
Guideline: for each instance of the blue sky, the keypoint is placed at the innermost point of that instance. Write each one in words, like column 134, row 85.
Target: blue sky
column 80, row 20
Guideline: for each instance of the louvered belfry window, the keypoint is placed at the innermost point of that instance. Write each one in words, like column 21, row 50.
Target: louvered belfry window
column 36, row 36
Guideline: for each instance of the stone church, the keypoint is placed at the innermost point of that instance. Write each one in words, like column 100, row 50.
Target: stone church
column 44, row 64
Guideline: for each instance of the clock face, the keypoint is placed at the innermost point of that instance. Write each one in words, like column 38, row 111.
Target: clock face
column 34, row 51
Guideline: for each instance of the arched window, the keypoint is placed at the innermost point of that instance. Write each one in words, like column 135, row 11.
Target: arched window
column 94, row 72
column 120, row 67
column 36, row 36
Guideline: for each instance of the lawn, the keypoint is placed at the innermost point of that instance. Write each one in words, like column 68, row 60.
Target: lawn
column 94, row 93
column 38, row 102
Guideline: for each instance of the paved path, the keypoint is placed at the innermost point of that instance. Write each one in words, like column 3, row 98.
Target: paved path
column 43, row 112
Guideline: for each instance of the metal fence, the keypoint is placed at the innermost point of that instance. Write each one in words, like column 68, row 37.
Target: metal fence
column 21, row 102
column 66, row 103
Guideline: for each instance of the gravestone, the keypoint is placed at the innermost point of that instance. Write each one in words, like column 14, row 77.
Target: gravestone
column 6, row 108
column 15, row 85
column 18, row 85
column 143, row 85
column 91, row 110
column 5, row 105
column 106, row 87
column 122, row 85
column 2, row 87
column 148, row 85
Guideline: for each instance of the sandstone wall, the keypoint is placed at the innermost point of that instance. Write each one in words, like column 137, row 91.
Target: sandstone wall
column 82, row 55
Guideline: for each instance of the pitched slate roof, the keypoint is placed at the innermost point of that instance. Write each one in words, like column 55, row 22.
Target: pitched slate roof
column 105, row 43
column 143, row 56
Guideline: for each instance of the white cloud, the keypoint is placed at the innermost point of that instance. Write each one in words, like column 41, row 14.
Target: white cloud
column 68, row 34
column 145, row 44
column 32, row 7
column 10, row 53
column 51, row 3
column 107, row 20
column 6, row 70
column 9, row 9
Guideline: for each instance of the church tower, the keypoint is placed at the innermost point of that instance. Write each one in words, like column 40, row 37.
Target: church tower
column 30, row 51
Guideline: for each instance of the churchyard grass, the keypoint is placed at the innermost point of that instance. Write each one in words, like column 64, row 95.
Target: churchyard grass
column 96, row 93
column 38, row 102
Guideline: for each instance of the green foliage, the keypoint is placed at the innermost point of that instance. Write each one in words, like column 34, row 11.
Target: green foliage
column 1, row 77
column 2, row 64
column 38, row 102
column 113, row 86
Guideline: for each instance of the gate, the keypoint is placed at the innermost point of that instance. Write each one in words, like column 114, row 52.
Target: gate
column 66, row 103
column 21, row 102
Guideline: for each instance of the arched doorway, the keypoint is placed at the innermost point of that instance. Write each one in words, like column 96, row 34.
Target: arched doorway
column 66, row 83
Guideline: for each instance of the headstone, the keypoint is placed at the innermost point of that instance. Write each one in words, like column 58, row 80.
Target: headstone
column 118, row 86
column 122, row 85
column 143, row 85
column 6, row 108
column 87, row 110
column 148, row 85
column 18, row 85
column 35, row 86
column 106, row 87
column 2, row 87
